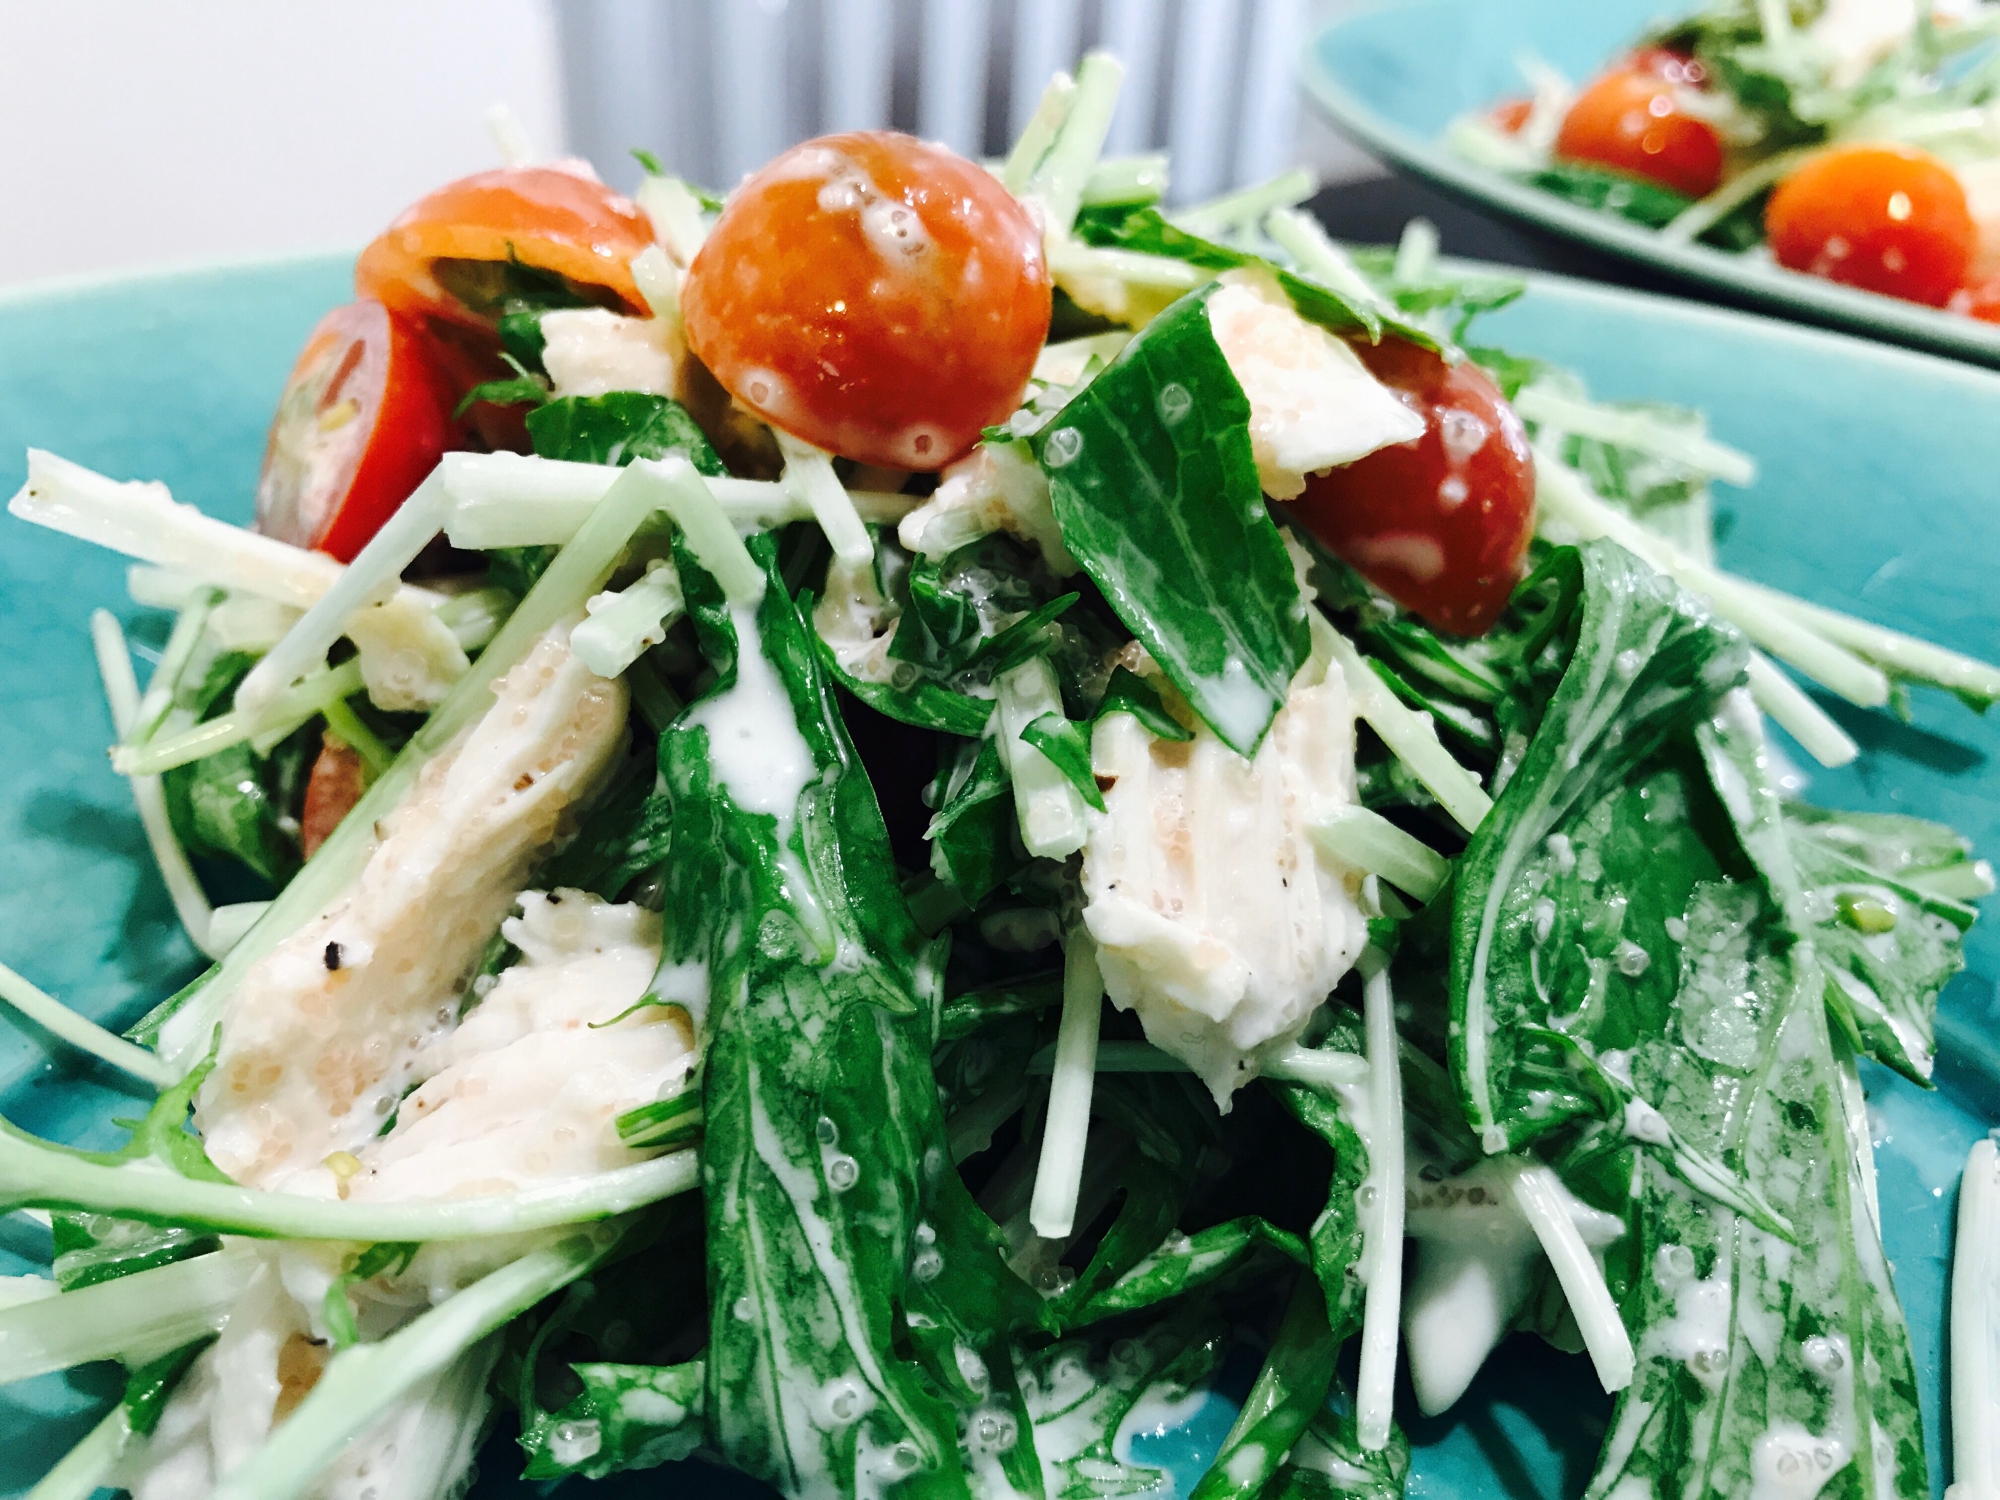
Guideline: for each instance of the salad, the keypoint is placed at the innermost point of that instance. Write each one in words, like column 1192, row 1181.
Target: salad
column 898, row 809
column 1857, row 140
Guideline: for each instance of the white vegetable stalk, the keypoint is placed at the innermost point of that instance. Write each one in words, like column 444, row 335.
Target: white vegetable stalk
column 36, row 1174
column 1416, row 252
column 516, row 500
column 1366, row 841
column 1059, row 181
column 369, row 579
column 809, row 475
column 1951, row 670
column 1049, row 809
column 89, row 1466
column 1066, row 1124
column 1540, row 1196
column 659, row 283
column 1038, row 134
column 180, row 647
column 1381, row 1214
column 1317, row 1067
column 362, row 1383
column 1127, row 179
column 303, row 700
column 59, row 1020
column 135, row 1318
column 1975, row 1329
column 141, row 520
column 1562, row 493
column 510, row 137
column 684, row 496
column 1318, row 257
column 1786, row 702
column 577, row 572
column 121, row 693
column 227, row 926
column 623, row 625
column 678, row 221
column 1409, row 736
column 1637, row 429
column 1238, row 210
column 1704, row 214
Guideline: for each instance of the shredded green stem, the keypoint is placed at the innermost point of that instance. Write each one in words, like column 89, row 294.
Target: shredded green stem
column 1038, row 134
column 89, row 1466
column 306, row 699
column 1704, row 214
column 1234, row 211
column 1790, row 708
column 346, row 724
column 180, row 647
column 60, row 1021
column 1067, row 1121
column 34, row 1173
column 1366, row 841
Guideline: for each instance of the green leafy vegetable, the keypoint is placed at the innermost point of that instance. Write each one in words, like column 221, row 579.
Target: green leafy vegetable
column 974, row 836
column 618, row 427
column 1629, row 197
column 1287, row 1395
column 1063, row 743
column 834, row 1210
column 628, row 1417
column 525, row 387
column 1129, row 693
column 1157, row 496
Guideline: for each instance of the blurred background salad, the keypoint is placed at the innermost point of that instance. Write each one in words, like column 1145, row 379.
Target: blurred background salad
column 142, row 135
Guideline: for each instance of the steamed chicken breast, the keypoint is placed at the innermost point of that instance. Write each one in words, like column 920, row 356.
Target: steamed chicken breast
column 1215, row 916
column 324, row 1033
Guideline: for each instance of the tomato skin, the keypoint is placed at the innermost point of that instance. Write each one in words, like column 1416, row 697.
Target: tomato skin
column 1889, row 219
column 1630, row 120
column 874, row 295
column 1980, row 301
column 544, row 217
column 1509, row 115
column 364, row 416
column 1440, row 524
column 335, row 785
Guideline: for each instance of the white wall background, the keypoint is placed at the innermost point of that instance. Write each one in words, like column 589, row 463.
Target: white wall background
column 153, row 132
column 158, row 132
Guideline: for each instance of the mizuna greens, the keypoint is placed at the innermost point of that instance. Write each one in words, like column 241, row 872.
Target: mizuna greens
column 677, row 1022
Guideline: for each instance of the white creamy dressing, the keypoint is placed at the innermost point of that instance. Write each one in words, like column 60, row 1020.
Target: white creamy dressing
column 1476, row 1258
column 591, row 351
column 1698, row 1334
column 1215, row 915
column 754, row 744
column 1313, row 404
column 1790, row 1462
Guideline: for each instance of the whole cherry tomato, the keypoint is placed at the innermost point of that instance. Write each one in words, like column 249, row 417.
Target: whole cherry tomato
column 1632, row 120
column 1439, row 524
column 874, row 295
column 460, row 252
column 1889, row 219
column 1981, row 301
column 365, row 415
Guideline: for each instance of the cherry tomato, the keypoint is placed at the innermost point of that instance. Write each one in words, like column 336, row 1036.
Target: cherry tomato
column 335, row 785
column 1439, row 524
column 1509, row 115
column 364, row 416
column 1675, row 67
column 872, row 294
column 1631, row 120
column 458, row 253
column 1889, row 219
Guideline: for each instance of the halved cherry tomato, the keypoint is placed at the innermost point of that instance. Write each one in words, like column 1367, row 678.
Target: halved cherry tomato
column 1631, row 120
column 449, row 255
column 872, row 294
column 364, row 416
column 1889, row 219
column 336, row 784
column 1510, row 115
column 1439, row 524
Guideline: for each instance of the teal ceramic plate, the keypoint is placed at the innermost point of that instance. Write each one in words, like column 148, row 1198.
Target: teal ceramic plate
column 1395, row 77
column 1877, row 495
